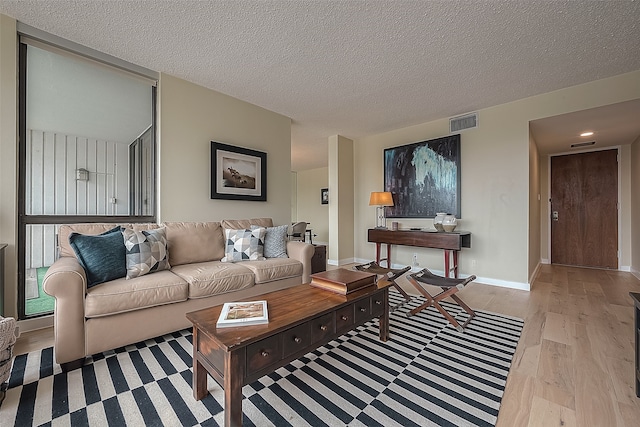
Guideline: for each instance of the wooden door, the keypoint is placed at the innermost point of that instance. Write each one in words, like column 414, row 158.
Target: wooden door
column 584, row 209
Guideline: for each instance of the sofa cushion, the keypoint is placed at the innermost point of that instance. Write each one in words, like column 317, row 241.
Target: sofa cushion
column 93, row 229
column 101, row 256
column 237, row 224
column 272, row 269
column 244, row 244
column 214, row 277
column 122, row 295
column 191, row 242
column 275, row 241
column 146, row 251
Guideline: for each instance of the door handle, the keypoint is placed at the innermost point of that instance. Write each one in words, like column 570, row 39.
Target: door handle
column 554, row 215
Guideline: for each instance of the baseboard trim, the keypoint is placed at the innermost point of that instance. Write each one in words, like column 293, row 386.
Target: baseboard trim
column 341, row 261
column 479, row 279
column 536, row 270
column 29, row 325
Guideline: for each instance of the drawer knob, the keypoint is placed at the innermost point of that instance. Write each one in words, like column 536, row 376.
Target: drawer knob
column 323, row 327
column 343, row 317
column 264, row 353
column 362, row 309
column 378, row 302
column 298, row 340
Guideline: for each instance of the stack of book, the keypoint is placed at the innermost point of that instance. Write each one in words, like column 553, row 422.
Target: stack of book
column 343, row 281
column 243, row 314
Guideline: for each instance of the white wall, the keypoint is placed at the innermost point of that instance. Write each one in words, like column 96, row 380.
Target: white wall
column 192, row 116
column 495, row 180
column 309, row 208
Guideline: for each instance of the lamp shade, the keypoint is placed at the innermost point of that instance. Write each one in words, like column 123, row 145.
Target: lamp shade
column 380, row 198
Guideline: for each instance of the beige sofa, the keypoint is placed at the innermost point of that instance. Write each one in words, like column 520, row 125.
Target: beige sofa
column 125, row 311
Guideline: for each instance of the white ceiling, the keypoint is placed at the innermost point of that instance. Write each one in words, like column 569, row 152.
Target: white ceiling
column 357, row 68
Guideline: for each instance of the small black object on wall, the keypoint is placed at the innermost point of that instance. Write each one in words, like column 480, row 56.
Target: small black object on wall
column 324, row 196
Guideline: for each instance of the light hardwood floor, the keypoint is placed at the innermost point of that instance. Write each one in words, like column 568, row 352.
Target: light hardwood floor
column 574, row 365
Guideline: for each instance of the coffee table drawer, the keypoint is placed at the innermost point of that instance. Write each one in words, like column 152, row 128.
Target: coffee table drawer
column 296, row 339
column 344, row 318
column 263, row 353
column 377, row 304
column 362, row 310
column 322, row 327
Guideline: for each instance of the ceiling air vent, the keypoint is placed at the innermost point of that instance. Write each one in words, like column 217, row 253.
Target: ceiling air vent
column 460, row 123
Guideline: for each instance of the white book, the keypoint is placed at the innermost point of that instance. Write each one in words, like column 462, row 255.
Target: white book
column 243, row 314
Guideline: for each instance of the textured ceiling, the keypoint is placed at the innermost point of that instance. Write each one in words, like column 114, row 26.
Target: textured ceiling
column 357, row 68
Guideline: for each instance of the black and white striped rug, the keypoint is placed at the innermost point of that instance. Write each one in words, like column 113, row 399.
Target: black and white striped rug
column 426, row 374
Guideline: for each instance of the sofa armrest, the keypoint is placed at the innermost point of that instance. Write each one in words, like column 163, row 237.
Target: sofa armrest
column 302, row 252
column 66, row 281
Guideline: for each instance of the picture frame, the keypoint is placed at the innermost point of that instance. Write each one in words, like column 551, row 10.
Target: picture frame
column 238, row 173
column 424, row 178
column 324, row 196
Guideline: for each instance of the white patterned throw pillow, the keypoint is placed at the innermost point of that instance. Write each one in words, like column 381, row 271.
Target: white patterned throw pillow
column 146, row 251
column 244, row 245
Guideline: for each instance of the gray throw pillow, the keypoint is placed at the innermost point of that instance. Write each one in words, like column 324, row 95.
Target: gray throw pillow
column 101, row 256
column 275, row 241
column 146, row 251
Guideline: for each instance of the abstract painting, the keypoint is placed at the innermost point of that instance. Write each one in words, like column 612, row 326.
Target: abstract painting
column 424, row 178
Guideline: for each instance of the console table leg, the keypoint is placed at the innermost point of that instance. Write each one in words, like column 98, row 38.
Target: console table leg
column 388, row 255
column 446, row 263
column 455, row 264
column 378, row 253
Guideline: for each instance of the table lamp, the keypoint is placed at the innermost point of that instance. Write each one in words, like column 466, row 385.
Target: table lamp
column 380, row 199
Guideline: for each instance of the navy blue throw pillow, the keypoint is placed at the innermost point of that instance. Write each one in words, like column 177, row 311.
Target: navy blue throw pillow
column 101, row 256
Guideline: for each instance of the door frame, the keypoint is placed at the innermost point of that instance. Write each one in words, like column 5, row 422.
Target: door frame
column 548, row 210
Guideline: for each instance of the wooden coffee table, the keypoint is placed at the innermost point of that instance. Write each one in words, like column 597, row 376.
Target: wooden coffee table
column 301, row 319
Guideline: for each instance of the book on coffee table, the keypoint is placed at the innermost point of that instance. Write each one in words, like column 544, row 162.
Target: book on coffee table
column 342, row 281
column 243, row 314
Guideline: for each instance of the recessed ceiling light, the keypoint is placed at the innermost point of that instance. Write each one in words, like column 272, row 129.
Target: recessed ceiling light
column 586, row 134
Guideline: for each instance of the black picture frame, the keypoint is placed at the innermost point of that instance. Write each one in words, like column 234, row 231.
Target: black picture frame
column 238, row 173
column 424, row 178
column 324, row 196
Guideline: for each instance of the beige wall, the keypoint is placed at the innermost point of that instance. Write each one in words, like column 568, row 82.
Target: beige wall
column 634, row 234
column 309, row 208
column 495, row 180
column 534, row 208
column 294, row 196
column 191, row 116
column 341, row 204
column 624, row 200
column 8, row 159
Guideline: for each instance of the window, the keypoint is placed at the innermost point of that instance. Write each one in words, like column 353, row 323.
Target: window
column 87, row 153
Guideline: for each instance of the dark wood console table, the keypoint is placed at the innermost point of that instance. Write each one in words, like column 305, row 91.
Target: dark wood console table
column 301, row 319
column 450, row 242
